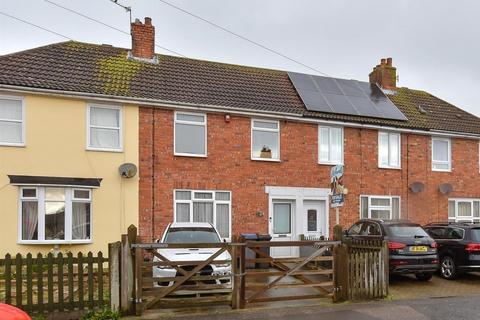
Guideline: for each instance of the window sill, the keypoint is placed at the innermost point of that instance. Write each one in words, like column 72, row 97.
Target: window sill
column 393, row 168
column 439, row 170
column 191, row 155
column 5, row 144
column 330, row 163
column 40, row 242
column 104, row 149
column 265, row 159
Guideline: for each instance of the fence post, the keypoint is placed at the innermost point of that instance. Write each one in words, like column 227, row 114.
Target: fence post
column 114, row 274
column 340, row 273
column 386, row 260
column 242, row 266
column 127, row 271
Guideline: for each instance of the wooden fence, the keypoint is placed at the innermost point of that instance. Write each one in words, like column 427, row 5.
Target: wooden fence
column 49, row 283
column 362, row 269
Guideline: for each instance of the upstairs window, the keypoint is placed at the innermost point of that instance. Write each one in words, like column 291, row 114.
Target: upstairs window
column 265, row 140
column 190, row 134
column 389, row 150
column 441, row 154
column 55, row 215
column 205, row 206
column 11, row 121
column 330, row 145
column 104, row 128
column 380, row 207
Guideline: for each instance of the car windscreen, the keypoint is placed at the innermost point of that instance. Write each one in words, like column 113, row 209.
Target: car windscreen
column 407, row 231
column 191, row 235
column 475, row 234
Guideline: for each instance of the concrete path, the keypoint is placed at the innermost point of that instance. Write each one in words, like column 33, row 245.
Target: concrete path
column 457, row 308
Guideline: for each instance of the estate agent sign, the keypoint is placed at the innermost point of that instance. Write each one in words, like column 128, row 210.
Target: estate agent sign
column 337, row 188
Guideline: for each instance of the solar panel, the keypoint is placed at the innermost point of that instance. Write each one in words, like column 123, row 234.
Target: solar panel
column 342, row 96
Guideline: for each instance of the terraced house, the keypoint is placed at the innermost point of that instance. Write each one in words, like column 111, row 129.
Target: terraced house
column 247, row 149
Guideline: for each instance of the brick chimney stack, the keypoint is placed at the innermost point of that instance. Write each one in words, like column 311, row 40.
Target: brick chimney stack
column 143, row 39
column 384, row 74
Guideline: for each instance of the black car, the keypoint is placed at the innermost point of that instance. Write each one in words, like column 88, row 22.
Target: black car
column 412, row 250
column 458, row 247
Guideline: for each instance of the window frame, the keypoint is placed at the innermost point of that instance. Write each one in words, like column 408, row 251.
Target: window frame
column 204, row 123
column 370, row 207
column 449, row 162
column 457, row 218
column 23, row 121
column 389, row 166
column 253, row 128
column 68, row 223
column 119, row 128
column 330, row 162
column 212, row 200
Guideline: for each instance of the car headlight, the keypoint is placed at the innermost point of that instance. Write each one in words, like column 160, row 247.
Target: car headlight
column 164, row 267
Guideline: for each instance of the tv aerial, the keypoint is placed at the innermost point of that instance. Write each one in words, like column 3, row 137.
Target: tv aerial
column 127, row 8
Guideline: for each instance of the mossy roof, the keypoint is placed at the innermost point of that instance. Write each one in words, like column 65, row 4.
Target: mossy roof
column 105, row 70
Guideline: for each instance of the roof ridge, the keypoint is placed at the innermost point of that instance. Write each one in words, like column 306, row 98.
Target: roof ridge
column 35, row 49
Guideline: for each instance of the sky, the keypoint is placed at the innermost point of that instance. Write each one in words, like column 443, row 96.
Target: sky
column 435, row 44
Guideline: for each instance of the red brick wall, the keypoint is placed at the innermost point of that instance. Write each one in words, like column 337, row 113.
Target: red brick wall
column 229, row 167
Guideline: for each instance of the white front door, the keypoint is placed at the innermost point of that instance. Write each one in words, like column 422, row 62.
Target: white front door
column 314, row 218
column 282, row 227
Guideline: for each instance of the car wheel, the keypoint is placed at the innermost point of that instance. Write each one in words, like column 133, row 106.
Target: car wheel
column 448, row 269
column 424, row 276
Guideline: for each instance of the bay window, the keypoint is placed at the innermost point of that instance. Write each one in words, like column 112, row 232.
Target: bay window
column 380, row 207
column 330, row 145
column 204, row 206
column 389, row 153
column 54, row 215
column 11, row 121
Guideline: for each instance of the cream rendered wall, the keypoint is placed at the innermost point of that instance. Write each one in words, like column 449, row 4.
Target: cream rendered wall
column 56, row 146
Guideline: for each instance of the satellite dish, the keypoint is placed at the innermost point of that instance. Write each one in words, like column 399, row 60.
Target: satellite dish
column 127, row 170
column 445, row 188
column 417, row 187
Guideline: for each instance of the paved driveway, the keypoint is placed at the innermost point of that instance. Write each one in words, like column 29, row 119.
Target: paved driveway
column 407, row 287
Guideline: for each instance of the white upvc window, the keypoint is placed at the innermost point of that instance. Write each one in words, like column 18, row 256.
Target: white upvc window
column 12, row 121
column 330, row 145
column 464, row 210
column 389, row 150
column 214, row 207
column 190, row 134
column 265, row 140
column 441, row 154
column 379, row 207
column 104, row 128
column 55, row 215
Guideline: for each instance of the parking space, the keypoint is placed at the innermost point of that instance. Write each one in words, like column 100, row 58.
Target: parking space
column 407, row 287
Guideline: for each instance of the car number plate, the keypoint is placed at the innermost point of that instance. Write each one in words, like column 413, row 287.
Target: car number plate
column 419, row 249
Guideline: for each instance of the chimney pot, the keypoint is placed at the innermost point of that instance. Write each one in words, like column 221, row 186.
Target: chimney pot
column 143, row 39
column 384, row 74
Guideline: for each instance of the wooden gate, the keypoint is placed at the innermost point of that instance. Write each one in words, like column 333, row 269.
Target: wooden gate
column 352, row 270
column 286, row 278
column 192, row 282
column 363, row 269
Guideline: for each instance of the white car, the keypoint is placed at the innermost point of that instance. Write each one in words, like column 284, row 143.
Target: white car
column 192, row 232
